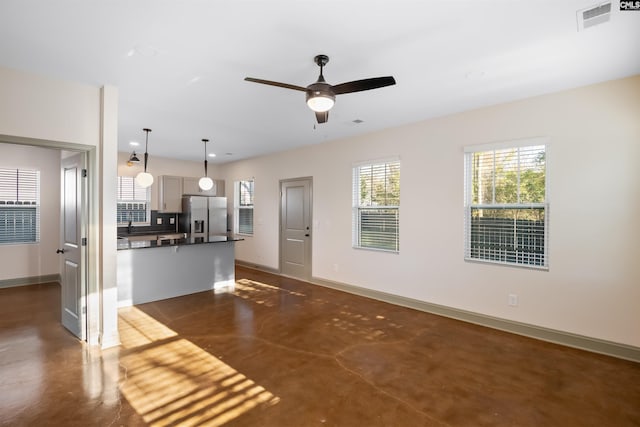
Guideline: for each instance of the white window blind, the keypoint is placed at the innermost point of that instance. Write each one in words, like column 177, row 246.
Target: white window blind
column 19, row 206
column 244, row 207
column 376, row 206
column 506, row 206
column 133, row 202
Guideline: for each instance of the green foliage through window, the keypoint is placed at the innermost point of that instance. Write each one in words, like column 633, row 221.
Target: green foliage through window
column 506, row 205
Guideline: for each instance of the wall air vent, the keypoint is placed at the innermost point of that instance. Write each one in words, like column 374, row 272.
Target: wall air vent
column 593, row 16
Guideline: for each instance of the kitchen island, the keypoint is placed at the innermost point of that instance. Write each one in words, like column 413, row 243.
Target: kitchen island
column 151, row 270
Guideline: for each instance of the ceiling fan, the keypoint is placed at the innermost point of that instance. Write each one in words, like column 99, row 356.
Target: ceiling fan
column 321, row 95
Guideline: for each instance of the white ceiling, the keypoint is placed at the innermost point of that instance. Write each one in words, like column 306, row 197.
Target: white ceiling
column 179, row 65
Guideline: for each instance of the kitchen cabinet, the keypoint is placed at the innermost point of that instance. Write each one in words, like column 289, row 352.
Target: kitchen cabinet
column 190, row 187
column 170, row 194
column 219, row 187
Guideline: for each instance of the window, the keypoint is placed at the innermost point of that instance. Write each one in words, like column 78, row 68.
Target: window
column 19, row 206
column 244, row 207
column 506, row 205
column 133, row 202
column 376, row 205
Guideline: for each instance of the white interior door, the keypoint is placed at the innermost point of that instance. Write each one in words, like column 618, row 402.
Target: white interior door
column 71, row 249
column 295, row 228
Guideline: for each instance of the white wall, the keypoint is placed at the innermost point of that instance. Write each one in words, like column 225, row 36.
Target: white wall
column 592, row 287
column 39, row 259
column 157, row 166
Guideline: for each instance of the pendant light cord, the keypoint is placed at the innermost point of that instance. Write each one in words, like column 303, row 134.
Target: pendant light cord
column 146, row 149
column 205, row 157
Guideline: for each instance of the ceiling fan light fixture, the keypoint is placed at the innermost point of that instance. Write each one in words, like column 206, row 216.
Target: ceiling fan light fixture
column 321, row 96
column 320, row 101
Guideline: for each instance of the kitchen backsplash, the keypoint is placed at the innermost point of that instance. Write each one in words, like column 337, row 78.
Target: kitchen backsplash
column 166, row 225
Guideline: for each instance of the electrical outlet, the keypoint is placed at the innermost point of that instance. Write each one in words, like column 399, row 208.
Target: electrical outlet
column 513, row 300
column 159, row 221
column 172, row 220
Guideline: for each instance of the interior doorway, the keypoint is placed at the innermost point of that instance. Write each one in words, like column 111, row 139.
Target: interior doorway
column 295, row 227
column 82, row 277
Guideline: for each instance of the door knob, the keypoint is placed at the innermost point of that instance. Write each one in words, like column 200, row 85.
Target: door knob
column 60, row 251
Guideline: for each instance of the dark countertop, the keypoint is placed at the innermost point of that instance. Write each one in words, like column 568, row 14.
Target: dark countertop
column 141, row 244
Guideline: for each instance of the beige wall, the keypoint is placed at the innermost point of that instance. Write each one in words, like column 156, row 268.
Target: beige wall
column 46, row 112
column 32, row 106
column 39, row 259
column 591, row 287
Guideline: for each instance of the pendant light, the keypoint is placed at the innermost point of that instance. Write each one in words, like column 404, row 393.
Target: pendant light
column 133, row 158
column 144, row 179
column 205, row 182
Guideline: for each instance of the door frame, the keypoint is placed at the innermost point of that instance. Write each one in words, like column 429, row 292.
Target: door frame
column 91, row 220
column 280, row 231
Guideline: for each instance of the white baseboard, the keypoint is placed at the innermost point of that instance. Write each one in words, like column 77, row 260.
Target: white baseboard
column 258, row 267
column 595, row 345
column 109, row 340
column 33, row 280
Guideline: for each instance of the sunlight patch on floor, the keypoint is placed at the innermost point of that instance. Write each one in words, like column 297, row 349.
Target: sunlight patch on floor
column 171, row 381
column 137, row 328
column 261, row 293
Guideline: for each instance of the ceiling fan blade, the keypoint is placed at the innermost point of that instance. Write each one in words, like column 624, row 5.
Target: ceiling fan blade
column 270, row 83
column 365, row 84
column 322, row 117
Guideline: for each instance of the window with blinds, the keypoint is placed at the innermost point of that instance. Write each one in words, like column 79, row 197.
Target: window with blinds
column 376, row 206
column 244, row 207
column 19, row 206
column 506, row 205
column 134, row 202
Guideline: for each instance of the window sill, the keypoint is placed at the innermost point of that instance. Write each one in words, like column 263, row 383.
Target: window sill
column 363, row 248
column 508, row 264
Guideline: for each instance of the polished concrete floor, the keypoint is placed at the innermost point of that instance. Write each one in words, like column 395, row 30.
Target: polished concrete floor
column 279, row 352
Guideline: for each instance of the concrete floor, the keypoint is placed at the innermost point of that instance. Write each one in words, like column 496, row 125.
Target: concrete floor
column 279, row 352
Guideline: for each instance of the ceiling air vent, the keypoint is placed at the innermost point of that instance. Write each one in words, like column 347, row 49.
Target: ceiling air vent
column 593, row 16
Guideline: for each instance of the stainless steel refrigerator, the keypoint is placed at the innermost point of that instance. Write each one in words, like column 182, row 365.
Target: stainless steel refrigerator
column 204, row 216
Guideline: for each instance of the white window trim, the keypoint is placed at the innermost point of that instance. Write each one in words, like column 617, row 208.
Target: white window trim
column 518, row 143
column 355, row 228
column 147, row 207
column 237, row 208
column 37, row 207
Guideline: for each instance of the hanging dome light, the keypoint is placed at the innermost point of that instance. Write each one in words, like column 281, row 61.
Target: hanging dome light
column 205, row 183
column 144, row 179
